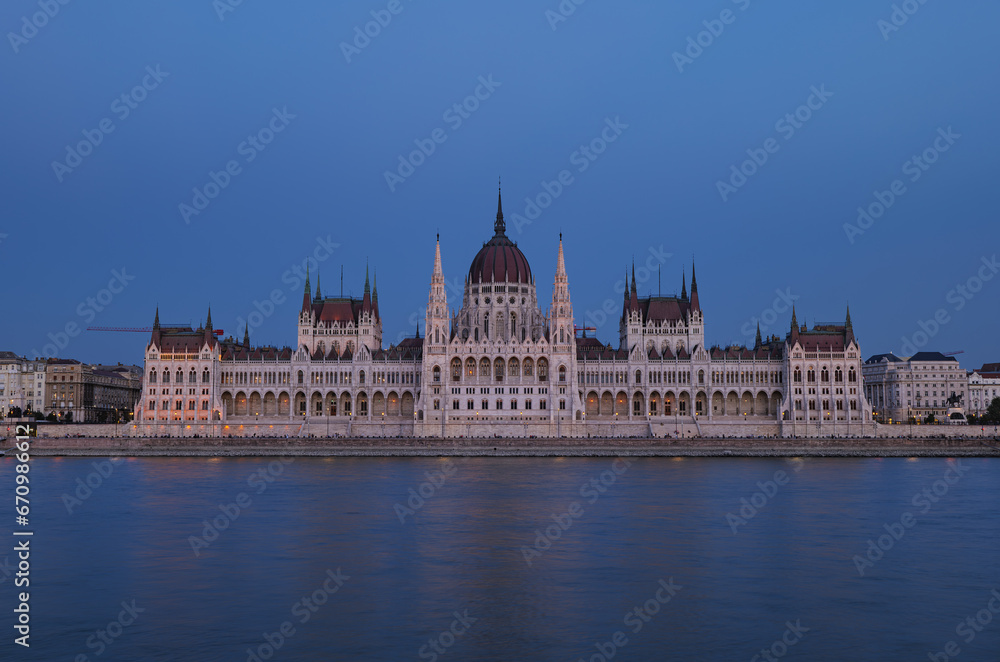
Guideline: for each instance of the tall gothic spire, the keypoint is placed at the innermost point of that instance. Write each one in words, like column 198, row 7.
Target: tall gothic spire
column 758, row 342
column 319, row 290
column 366, row 303
column 684, row 288
column 306, row 292
column 246, row 336
column 499, row 227
column 208, row 325
column 156, row 320
column 695, row 303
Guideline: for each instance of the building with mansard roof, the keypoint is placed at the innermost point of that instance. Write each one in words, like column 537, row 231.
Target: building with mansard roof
column 497, row 364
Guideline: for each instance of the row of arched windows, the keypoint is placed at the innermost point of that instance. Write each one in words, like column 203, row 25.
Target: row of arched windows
column 838, row 374
column 179, row 376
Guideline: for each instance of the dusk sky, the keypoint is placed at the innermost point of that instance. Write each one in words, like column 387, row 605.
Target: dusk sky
column 116, row 116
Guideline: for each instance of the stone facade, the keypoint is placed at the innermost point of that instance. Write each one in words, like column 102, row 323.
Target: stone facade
column 501, row 366
column 22, row 383
column 984, row 385
column 916, row 386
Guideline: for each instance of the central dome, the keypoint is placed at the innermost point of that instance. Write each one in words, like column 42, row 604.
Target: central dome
column 500, row 260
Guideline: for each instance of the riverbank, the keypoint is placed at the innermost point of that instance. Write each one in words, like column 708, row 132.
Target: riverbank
column 639, row 447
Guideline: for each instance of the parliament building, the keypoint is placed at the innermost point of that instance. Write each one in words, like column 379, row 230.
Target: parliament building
column 496, row 365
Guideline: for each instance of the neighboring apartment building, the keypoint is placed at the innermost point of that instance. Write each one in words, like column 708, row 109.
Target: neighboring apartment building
column 22, row 383
column 984, row 385
column 916, row 386
column 91, row 393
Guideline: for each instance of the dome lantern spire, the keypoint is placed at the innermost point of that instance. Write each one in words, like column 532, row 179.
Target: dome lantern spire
column 499, row 227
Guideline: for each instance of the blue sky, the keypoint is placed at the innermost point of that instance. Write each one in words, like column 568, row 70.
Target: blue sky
column 309, row 117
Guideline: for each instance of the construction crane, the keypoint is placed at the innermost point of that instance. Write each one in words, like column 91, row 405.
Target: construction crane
column 961, row 351
column 143, row 329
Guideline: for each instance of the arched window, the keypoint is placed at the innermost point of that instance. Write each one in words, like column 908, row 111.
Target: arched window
column 192, row 377
column 180, row 376
column 456, row 369
column 825, row 375
column 638, row 375
column 205, row 376
column 302, row 377
column 470, row 367
column 797, row 377
column 838, row 374
column 498, row 369
column 513, row 368
column 543, row 370
column 811, row 375
column 152, row 376
column 166, row 376
column 436, row 373
column 852, row 376
column 528, row 368
column 484, row 367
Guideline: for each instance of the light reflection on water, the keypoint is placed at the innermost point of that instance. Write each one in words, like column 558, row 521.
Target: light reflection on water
column 464, row 549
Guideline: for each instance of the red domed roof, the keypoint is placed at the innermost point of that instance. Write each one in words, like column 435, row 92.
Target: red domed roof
column 500, row 260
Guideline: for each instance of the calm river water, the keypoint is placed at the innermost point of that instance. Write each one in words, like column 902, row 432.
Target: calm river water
column 508, row 559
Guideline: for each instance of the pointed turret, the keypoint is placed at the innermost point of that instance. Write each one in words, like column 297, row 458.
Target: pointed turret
column 695, row 303
column 758, row 342
column 208, row 325
column 684, row 289
column 561, row 323
column 246, row 337
column 436, row 320
column 795, row 326
column 155, row 337
column 374, row 293
column 499, row 227
column 319, row 291
column 307, row 292
column 633, row 301
column 366, row 303
column 848, row 328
